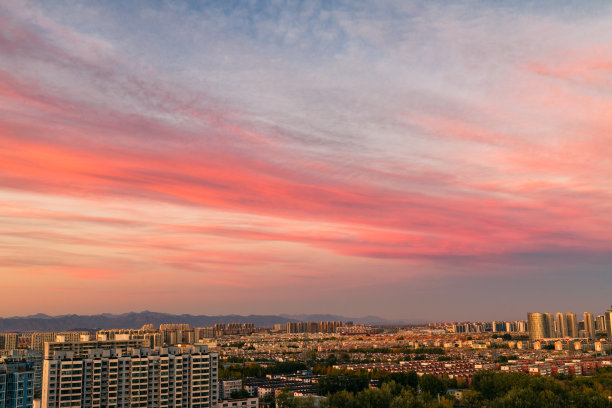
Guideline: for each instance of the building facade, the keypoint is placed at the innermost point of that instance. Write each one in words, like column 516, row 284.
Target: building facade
column 8, row 341
column 226, row 387
column 561, row 324
column 572, row 325
column 608, row 322
column 589, row 325
column 252, row 402
column 169, row 377
column 538, row 326
column 16, row 385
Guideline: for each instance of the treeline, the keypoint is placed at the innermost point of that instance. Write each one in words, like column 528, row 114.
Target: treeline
column 488, row 389
column 355, row 392
column 506, row 390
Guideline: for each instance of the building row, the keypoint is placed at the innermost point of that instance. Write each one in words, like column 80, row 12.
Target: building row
column 489, row 327
column 566, row 325
column 312, row 327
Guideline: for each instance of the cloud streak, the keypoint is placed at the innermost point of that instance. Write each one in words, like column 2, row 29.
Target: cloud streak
column 398, row 135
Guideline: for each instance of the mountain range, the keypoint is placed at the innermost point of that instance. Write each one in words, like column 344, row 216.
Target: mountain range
column 135, row 320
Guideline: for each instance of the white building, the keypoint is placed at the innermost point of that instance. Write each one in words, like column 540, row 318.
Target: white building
column 169, row 377
column 226, row 387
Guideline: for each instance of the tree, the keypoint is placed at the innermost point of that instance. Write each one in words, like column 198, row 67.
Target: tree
column 304, row 402
column 334, row 383
column 472, row 399
column 241, row 393
column 285, row 399
column 406, row 379
column 373, row 398
column 406, row 400
column 517, row 398
column 342, row 399
column 432, row 385
column 332, row 359
column 310, row 355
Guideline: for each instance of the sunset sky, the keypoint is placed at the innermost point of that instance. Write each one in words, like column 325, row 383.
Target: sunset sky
column 407, row 159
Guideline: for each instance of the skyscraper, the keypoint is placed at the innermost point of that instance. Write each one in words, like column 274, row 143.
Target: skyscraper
column 538, row 326
column 600, row 322
column 550, row 325
column 608, row 319
column 561, row 325
column 572, row 325
column 589, row 325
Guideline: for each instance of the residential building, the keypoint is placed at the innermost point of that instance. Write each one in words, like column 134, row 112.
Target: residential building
column 600, row 322
column 572, row 325
column 251, row 402
column 226, row 387
column 8, row 341
column 26, row 356
column 80, row 349
column 103, row 377
column 550, row 325
column 561, row 324
column 16, row 385
column 608, row 322
column 589, row 325
column 538, row 326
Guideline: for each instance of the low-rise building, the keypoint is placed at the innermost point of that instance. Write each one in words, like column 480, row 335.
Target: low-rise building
column 251, row 402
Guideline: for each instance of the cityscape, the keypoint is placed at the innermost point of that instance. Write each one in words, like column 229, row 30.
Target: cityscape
column 305, row 204
column 302, row 364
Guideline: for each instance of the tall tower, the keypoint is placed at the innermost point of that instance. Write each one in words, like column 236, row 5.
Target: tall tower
column 600, row 323
column 561, row 325
column 572, row 325
column 538, row 326
column 550, row 325
column 589, row 325
column 608, row 319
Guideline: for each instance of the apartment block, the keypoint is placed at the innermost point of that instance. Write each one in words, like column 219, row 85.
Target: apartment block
column 252, row 402
column 34, row 359
column 81, row 349
column 8, row 341
column 226, row 387
column 16, row 385
column 171, row 377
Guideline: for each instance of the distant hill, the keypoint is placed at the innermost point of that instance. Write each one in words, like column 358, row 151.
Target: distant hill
column 134, row 320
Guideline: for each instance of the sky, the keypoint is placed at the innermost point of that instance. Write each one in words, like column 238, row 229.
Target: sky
column 408, row 159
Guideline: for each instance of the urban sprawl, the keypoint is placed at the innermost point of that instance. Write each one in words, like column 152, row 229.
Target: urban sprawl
column 314, row 364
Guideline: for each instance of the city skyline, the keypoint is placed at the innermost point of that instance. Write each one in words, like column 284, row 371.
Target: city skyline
column 410, row 160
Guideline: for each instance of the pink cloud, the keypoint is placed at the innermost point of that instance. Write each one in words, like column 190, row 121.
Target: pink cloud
column 506, row 187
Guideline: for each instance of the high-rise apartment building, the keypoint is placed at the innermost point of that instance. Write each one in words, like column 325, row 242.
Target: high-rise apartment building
column 81, row 349
column 572, row 325
column 600, row 322
column 589, row 325
column 40, row 338
column 608, row 321
column 561, row 324
column 313, row 327
column 538, row 326
column 169, row 377
column 16, row 389
column 550, row 325
column 8, row 341
column 31, row 357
